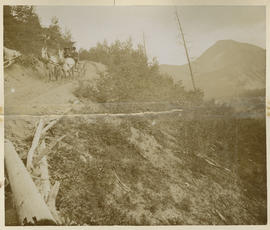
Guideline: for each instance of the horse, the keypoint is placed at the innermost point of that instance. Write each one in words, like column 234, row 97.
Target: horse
column 53, row 64
column 49, row 65
column 68, row 64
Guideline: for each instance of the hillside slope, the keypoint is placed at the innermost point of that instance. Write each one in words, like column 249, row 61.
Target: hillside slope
column 225, row 69
column 170, row 169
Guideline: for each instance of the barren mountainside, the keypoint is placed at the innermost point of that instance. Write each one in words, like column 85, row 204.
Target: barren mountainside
column 224, row 70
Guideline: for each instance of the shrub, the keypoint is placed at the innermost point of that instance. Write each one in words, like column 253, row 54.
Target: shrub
column 132, row 77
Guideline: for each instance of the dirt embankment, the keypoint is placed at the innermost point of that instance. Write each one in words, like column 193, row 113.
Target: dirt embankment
column 158, row 169
column 28, row 96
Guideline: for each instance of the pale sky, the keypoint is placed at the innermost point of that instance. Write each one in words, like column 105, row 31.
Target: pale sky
column 203, row 26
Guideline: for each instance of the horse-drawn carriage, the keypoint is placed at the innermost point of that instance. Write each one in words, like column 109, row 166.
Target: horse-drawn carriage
column 64, row 64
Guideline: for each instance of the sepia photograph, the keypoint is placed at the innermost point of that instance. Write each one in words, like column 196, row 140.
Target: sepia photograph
column 134, row 115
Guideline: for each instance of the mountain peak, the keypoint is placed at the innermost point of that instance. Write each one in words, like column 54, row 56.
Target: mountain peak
column 235, row 44
column 228, row 52
column 227, row 41
column 224, row 67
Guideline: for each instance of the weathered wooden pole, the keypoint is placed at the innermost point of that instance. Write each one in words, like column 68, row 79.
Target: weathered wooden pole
column 186, row 50
column 144, row 45
column 30, row 206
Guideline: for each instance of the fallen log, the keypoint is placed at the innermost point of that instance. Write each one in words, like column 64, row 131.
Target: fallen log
column 46, row 150
column 40, row 174
column 9, row 62
column 45, row 185
column 29, row 163
column 53, row 122
column 51, row 202
column 31, row 208
column 50, row 125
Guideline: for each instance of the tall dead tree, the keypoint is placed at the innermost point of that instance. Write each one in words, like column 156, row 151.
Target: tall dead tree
column 186, row 50
column 144, row 46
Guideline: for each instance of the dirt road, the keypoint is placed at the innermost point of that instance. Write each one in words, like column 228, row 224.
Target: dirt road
column 28, row 92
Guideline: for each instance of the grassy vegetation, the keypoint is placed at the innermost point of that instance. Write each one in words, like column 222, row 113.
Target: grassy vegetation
column 198, row 168
column 131, row 77
column 208, row 171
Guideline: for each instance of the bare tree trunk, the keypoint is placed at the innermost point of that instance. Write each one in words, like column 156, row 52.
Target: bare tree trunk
column 43, row 183
column 186, row 50
column 35, row 143
column 31, row 208
column 144, row 45
column 44, row 151
column 51, row 201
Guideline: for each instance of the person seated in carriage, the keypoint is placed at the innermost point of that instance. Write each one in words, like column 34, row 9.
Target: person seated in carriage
column 67, row 52
column 71, row 53
column 75, row 55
